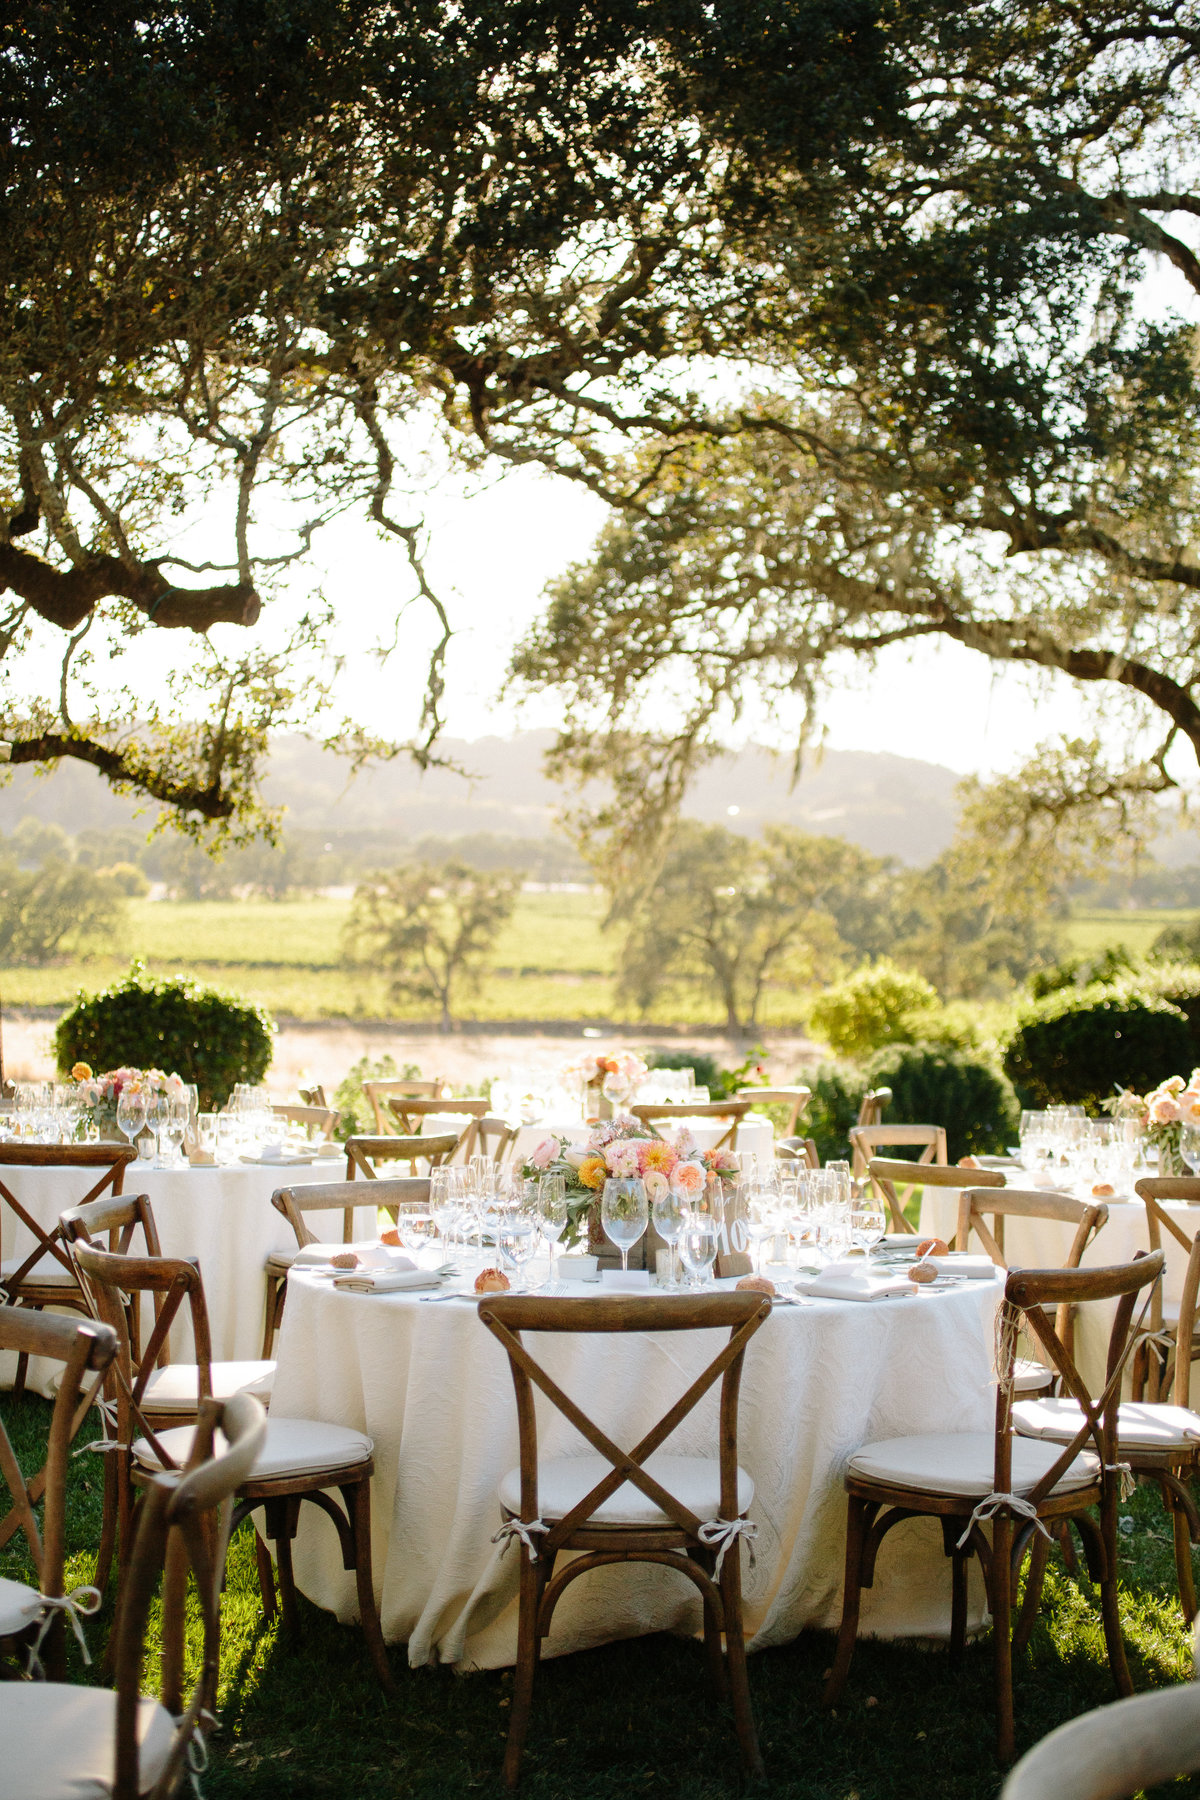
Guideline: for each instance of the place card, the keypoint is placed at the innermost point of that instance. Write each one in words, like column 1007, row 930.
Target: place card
column 619, row 1281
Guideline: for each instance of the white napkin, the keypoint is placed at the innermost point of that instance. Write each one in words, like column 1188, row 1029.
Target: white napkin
column 386, row 1281
column 837, row 1283
column 977, row 1268
column 370, row 1256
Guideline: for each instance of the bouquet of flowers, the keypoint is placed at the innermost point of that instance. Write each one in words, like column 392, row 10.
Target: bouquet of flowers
column 1162, row 1115
column 623, row 1069
column 100, row 1093
column 624, row 1147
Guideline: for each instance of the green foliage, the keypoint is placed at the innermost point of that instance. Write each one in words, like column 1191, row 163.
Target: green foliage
column 709, row 1073
column 965, row 1094
column 1178, row 943
column 837, row 1094
column 431, row 927
column 1082, row 970
column 349, row 1099
column 1077, row 1047
column 877, row 1005
column 174, row 1024
column 47, row 910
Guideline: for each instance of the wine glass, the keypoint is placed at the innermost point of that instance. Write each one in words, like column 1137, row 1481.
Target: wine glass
column 131, row 1112
column 552, row 1206
column 698, row 1246
column 415, row 1226
column 158, row 1112
column 624, row 1214
column 669, row 1212
column 520, row 1228
column 179, row 1114
column 1189, row 1146
column 445, row 1198
column 868, row 1222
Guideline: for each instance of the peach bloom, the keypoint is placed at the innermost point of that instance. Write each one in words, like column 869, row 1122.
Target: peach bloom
column 1173, row 1085
column 593, row 1171
column 1189, row 1106
column 545, row 1153
column 688, row 1177
column 656, row 1185
column 1164, row 1110
column 655, row 1155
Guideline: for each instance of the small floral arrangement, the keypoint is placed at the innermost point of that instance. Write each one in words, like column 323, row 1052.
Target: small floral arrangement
column 101, row 1093
column 1162, row 1115
column 626, row 1066
column 624, row 1147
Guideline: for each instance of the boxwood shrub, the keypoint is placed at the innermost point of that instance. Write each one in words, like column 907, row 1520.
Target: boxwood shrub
column 933, row 1086
column 1079, row 1047
column 173, row 1024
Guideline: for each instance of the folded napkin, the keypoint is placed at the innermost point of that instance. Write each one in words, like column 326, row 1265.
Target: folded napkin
column 976, row 1268
column 386, row 1281
column 370, row 1256
column 836, row 1283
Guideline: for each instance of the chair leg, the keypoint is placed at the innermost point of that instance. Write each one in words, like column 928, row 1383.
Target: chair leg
column 276, row 1295
column 1039, row 1556
column 358, row 1505
column 1183, row 1562
column 108, row 1524
column 528, row 1651
column 735, row 1657
column 1002, row 1581
column 18, row 1386
column 958, row 1606
column 856, row 1531
column 1114, row 1642
column 266, row 1575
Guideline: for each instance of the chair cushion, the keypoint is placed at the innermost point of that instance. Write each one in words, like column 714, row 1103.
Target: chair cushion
column 47, row 1271
column 293, row 1447
column 563, row 1480
column 20, row 1605
column 280, row 1259
column 963, row 1463
column 1031, row 1377
column 174, row 1388
column 60, row 1741
column 1141, row 1425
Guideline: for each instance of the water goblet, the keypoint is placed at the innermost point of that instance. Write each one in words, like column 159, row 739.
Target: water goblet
column 179, row 1113
column 669, row 1213
column 445, row 1193
column 131, row 1112
column 698, row 1246
column 624, row 1214
column 520, row 1229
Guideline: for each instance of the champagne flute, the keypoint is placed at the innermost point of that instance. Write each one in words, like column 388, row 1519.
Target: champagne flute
column 624, row 1214
column 552, row 1206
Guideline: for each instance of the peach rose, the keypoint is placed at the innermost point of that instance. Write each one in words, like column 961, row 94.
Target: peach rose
column 688, row 1177
column 1189, row 1106
column 1164, row 1110
column 545, row 1153
column 81, row 1071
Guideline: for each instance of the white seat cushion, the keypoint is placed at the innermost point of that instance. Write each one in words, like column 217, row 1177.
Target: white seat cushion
column 963, row 1463
column 293, row 1447
column 1031, row 1377
column 174, row 1388
column 60, row 1741
column 47, row 1271
column 1141, row 1425
column 564, row 1480
column 20, row 1605
column 281, row 1259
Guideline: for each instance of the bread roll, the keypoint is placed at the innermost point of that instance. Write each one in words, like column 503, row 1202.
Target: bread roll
column 755, row 1284
column 491, row 1281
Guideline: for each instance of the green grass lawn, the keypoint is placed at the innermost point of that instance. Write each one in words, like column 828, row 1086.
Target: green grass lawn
column 1090, row 932
column 635, row 1718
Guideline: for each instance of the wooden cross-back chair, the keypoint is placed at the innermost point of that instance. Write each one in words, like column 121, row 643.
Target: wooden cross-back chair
column 680, row 1111
column 1153, row 1359
column 867, row 1141
column 616, row 1505
column 61, row 1739
column 494, row 1138
column 85, row 1348
column 301, row 1459
column 319, row 1122
column 410, row 1117
column 162, row 1392
column 798, row 1149
column 378, row 1092
column 1155, row 1439
column 43, row 1275
column 313, row 1096
column 967, row 1478
column 362, row 1153
column 326, row 1196
column 794, row 1098
column 871, row 1107
column 895, row 1179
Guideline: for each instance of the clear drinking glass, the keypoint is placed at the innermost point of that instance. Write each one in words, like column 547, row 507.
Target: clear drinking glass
column 1189, row 1146
column 158, row 1111
column 179, row 1113
column 624, row 1214
column 520, row 1229
column 131, row 1112
column 868, row 1221
column 552, row 1206
column 698, row 1246
column 416, row 1226
column 669, row 1213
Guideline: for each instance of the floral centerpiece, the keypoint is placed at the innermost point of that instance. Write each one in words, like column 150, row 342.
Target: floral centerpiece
column 623, row 1147
column 1162, row 1115
column 101, row 1093
column 623, row 1070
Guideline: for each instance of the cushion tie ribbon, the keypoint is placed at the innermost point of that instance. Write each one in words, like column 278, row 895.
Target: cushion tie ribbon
column 991, row 1504
column 722, row 1534
column 85, row 1600
column 526, row 1530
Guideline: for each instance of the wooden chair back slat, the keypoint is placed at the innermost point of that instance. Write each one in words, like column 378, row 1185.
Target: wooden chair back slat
column 410, row 1116
column 377, row 1092
column 680, row 1111
column 794, row 1098
column 871, row 1106
column 110, row 1159
column 1027, row 1203
column 362, row 1153
column 797, row 1149
column 896, row 1178
column 494, row 1138
column 318, row 1121
column 344, row 1196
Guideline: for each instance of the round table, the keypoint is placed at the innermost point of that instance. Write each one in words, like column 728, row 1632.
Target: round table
column 432, row 1387
column 223, row 1216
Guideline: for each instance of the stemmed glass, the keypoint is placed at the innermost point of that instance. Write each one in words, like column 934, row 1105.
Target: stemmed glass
column 669, row 1213
column 131, row 1112
column 158, row 1113
column 868, row 1222
column 1189, row 1146
column 624, row 1214
column 520, row 1228
column 416, row 1226
column 445, row 1194
column 698, row 1246
column 178, row 1114
column 552, row 1206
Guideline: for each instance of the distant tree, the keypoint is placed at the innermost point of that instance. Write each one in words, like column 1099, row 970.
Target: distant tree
column 733, row 914
column 430, row 927
column 968, row 935
column 872, row 1007
column 45, row 911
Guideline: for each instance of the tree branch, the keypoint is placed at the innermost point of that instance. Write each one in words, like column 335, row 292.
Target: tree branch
column 65, row 597
column 209, row 801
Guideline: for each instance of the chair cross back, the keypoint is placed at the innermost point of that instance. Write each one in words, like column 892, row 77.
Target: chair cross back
column 111, row 1159
column 794, row 1098
column 870, row 1107
column 507, row 1316
column 887, row 1173
column 1026, row 1203
column 666, row 1110
column 494, row 1138
column 315, row 1119
column 410, row 1116
column 344, row 1196
column 1152, row 1190
column 379, row 1091
column 362, row 1153
column 865, row 1140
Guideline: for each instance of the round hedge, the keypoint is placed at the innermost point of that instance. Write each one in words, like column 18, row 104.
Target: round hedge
column 932, row 1086
column 173, row 1024
column 1079, row 1048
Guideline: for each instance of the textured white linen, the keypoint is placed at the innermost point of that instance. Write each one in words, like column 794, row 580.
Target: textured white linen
column 1046, row 1243
column 222, row 1216
column 432, row 1387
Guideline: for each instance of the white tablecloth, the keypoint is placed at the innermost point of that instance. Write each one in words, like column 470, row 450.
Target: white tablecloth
column 1046, row 1243
column 223, row 1216
column 432, row 1387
